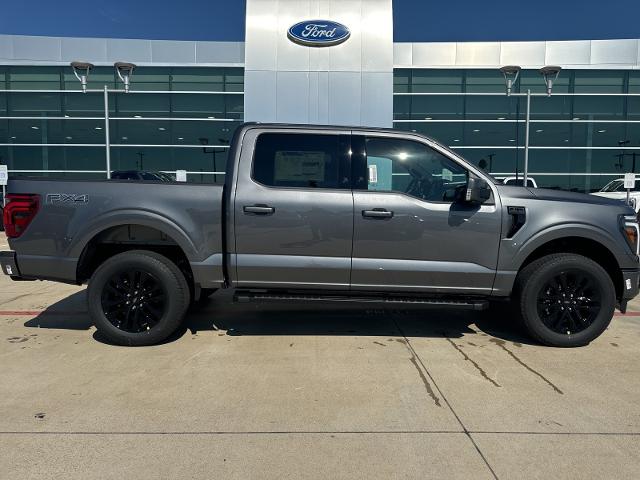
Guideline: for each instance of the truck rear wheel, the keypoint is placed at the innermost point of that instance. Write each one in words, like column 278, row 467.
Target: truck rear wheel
column 137, row 298
column 566, row 300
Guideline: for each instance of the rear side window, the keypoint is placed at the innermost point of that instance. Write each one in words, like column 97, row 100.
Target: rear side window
column 302, row 160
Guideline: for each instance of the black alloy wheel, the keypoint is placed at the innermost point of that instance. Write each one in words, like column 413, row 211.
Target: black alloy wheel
column 565, row 299
column 569, row 302
column 138, row 298
column 133, row 300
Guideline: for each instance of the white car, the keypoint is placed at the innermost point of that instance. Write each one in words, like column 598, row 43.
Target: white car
column 513, row 181
column 615, row 189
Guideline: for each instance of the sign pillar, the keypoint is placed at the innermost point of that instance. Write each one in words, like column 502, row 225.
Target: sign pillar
column 4, row 178
column 629, row 183
column 181, row 175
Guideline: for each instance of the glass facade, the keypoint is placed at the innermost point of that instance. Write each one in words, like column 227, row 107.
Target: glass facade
column 582, row 137
column 173, row 118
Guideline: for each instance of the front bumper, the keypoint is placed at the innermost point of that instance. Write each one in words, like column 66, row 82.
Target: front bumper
column 9, row 264
column 630, row 283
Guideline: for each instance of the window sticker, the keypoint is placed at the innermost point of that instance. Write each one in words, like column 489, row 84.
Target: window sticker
column 447, row 175
column 297, row 166
column 383, row 168
column 373, row 174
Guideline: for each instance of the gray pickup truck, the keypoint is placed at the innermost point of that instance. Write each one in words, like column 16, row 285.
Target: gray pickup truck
column 310, row 213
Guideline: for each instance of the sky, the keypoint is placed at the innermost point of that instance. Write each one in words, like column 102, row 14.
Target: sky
column 414, row 20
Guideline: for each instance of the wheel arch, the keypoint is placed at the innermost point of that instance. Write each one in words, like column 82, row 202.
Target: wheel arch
column 140, row 235
column 593, row 248
column 122, row 218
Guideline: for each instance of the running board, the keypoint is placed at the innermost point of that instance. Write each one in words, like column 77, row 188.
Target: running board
column 432, row 302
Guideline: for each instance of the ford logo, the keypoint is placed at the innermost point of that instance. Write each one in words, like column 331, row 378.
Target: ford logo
column 318, row 33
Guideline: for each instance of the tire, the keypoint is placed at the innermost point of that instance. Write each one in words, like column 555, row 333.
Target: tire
column 141, row 280
column 565, row 300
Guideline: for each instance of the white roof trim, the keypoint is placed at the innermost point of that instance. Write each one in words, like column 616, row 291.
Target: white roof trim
column 34, row 50
column 578, row 54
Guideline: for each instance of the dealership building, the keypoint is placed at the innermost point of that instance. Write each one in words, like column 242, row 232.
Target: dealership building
column 320, row 62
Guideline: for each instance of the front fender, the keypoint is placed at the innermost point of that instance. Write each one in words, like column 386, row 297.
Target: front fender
column 513, row 252
column 516, row 253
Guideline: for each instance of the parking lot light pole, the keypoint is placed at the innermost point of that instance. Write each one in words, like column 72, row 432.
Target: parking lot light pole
column 124, row 71
column 510, row 74
column 525, row 173
column 107, row 138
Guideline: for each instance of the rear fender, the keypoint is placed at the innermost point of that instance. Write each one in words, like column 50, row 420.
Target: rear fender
column 134, row 217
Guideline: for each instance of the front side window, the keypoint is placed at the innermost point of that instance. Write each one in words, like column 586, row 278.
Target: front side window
column 409, row 167
column 302, row 160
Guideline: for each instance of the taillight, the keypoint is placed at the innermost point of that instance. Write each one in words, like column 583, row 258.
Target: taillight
column 19, row 210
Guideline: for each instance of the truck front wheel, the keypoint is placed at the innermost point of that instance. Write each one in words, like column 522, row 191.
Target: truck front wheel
column 137, row 298
column 566, row 300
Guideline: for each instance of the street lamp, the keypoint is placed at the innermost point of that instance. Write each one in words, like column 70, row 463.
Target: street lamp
column 510, row 73
column 125, row 71
column 81, row 70
column 550, row 74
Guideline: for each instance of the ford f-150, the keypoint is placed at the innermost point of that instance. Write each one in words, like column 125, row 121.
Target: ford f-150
column 318, row 213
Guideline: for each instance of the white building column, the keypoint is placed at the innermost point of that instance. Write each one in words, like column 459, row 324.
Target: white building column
column 346, row 84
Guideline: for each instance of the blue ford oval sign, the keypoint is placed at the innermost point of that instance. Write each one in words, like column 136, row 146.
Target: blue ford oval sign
column 318, row 33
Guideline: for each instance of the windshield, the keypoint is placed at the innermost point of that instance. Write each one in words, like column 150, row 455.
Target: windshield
column 518, row 182
column 156, row 177
column 618, row 186
column 166, row 177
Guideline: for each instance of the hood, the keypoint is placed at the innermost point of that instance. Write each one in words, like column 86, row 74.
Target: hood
column 564, row 196
column 556, row 195
column 620, row 195
column 610, row 194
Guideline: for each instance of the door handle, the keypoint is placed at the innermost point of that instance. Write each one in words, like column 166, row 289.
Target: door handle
column 258, row 209
column 377, row 213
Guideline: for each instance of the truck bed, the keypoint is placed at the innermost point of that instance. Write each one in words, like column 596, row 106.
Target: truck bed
column 72, row 213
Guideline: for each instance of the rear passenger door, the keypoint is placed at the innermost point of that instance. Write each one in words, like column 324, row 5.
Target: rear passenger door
column 293, row 211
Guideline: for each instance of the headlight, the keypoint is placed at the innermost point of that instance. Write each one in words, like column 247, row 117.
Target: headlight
column 629, row 225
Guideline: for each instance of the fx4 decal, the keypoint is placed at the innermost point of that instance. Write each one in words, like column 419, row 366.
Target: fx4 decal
column 67, row 198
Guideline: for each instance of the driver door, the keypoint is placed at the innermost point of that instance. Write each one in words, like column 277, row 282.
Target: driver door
column 410, row 231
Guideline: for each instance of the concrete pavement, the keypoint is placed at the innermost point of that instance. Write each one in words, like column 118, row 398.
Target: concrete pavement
column 266, row 391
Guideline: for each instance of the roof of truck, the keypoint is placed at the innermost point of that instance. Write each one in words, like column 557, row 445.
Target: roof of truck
column 305, row 126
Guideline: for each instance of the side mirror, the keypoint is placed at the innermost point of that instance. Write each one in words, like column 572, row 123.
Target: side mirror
column 477, row 190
